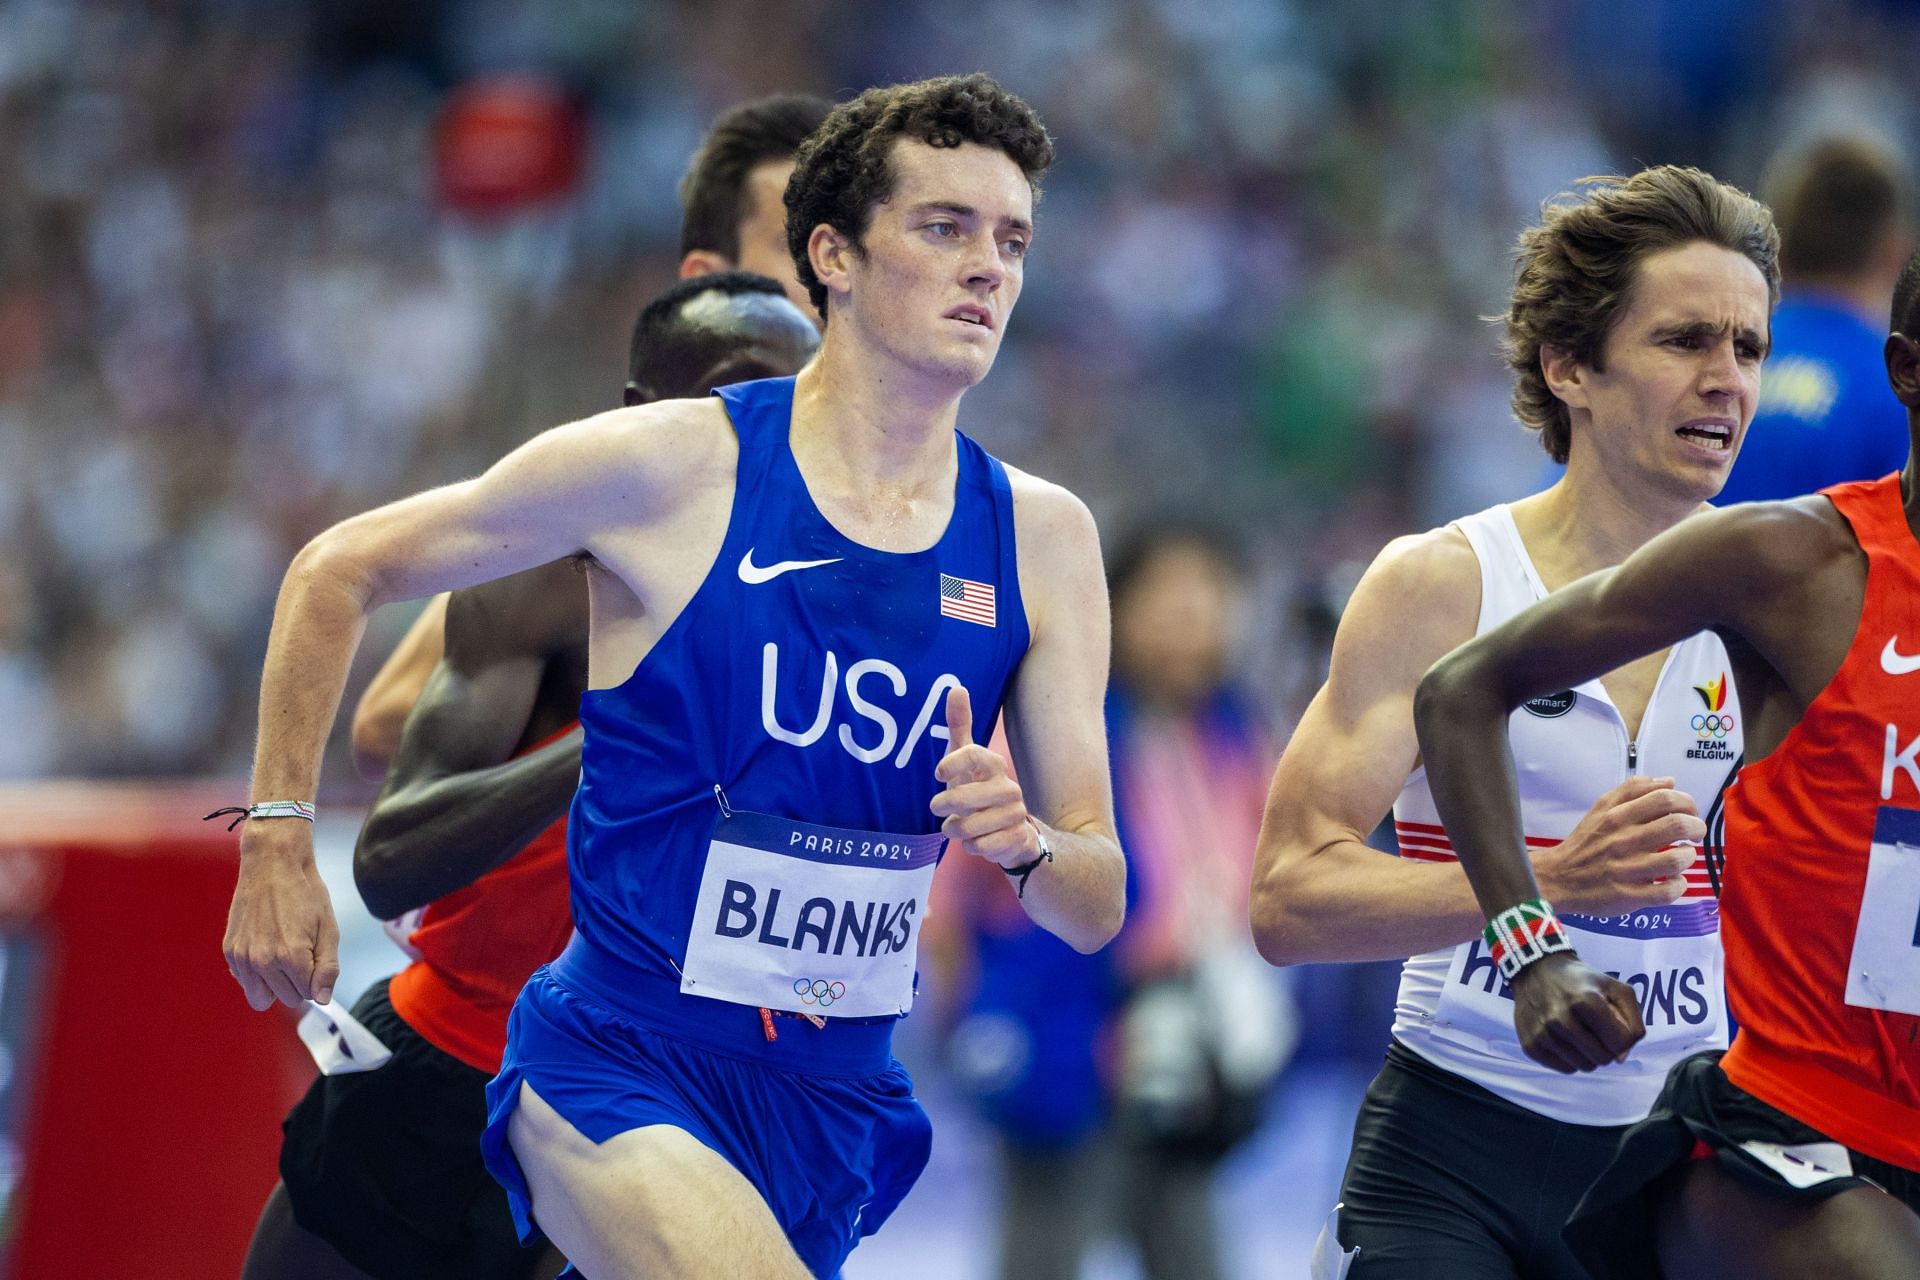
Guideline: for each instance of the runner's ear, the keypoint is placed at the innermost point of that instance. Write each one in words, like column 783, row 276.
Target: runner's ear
column 1903, row 368
column 1564, row 375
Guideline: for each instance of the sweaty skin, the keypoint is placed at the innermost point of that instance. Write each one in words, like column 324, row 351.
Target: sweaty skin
column 647, row 491
column 1780, row 583
column 383, row 707
column 917, row 309
column 458, row 803
column 1686, row 348
column 1783, row 584
column 382, row 710
column 460, row 799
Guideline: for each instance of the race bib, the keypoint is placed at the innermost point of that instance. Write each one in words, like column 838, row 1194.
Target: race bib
column 1669, row 957
column 1884, row 972
column 809, row 919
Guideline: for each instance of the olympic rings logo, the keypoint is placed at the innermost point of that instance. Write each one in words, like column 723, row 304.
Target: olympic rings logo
column 818, row 991
column 1717, row 725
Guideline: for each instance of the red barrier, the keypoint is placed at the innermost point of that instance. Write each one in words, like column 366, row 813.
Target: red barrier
column 140, row 1098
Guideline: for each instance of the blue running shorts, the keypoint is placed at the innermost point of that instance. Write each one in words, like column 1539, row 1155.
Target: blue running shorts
column 832, row 1154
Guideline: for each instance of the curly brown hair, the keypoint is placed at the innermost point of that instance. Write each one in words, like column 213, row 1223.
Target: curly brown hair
column 844, row 168
column 1575, row 271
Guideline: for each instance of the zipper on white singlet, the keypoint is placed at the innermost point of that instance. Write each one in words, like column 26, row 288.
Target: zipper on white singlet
column 1633, row 755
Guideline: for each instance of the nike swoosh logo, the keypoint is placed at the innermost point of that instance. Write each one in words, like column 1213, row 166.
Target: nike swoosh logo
column 755, row 574
column 1895, row 663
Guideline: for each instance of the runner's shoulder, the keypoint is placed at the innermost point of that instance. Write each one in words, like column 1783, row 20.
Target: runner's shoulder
column 1419, row 599
column 1432, row 573
column 1049, row 507
column 1759, row 542
column 1051, row 520
column 1058, row 549
column 687, row 440
column 666, row 449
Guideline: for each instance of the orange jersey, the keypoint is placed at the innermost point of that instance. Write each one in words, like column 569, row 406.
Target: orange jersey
column 479, row 944
column 1820, row 913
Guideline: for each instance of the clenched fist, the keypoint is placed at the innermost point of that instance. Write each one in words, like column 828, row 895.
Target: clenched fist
column 1572, row 1017
column 1631, row 851
column 282, row 943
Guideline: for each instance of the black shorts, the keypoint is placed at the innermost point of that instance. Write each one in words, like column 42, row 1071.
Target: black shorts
column 1448, row 1181
column 1614, row 1229
column 384, row 1165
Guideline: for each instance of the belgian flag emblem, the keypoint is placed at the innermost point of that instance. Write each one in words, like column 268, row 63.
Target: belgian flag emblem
column 1713, row 692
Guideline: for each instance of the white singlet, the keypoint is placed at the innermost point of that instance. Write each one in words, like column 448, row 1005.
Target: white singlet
column 1569, row 748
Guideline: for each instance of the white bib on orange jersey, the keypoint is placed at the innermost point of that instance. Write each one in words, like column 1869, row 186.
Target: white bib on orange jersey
column 1569, row 748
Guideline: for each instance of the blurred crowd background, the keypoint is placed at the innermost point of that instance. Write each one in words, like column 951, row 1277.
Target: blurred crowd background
column 267, row 263
column 257, row 274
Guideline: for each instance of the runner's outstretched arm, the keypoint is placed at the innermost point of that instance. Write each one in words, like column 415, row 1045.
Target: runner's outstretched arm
column 458, row 802
column 534, row 506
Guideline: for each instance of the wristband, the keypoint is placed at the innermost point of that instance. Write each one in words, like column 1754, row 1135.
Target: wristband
column 265, row 809
column 1523, row 933
column 1026, row 869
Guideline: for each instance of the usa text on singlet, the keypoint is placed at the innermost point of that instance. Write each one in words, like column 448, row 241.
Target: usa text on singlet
column 752, row 825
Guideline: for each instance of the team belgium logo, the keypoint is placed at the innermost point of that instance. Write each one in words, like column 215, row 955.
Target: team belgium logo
column 1711, row 727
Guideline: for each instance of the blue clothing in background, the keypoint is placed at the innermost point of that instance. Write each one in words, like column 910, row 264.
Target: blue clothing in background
column 1826, row 414
column 1039, row 1010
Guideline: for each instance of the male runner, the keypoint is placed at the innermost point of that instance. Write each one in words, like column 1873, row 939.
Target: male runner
column 803, row 579
column 381, row 1170
column 733, row 197
column 1635, row 333
column 733, row 217
column 1777, row 1159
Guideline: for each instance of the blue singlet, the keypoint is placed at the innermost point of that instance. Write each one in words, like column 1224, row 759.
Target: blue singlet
column 752, row 828
column 807, row 680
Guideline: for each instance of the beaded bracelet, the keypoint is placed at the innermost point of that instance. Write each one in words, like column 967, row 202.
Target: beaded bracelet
column 1523, row 933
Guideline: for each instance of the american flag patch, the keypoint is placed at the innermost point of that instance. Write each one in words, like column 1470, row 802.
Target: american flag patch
column 966, row 600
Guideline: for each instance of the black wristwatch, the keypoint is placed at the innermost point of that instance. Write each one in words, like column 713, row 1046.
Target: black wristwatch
column 1026, row 869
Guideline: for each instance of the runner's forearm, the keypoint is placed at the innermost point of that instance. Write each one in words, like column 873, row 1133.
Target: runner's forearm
column 1460, row 714
column 1081, row 895
column 317, row 625
column 1349, row 902
column 428, row 837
